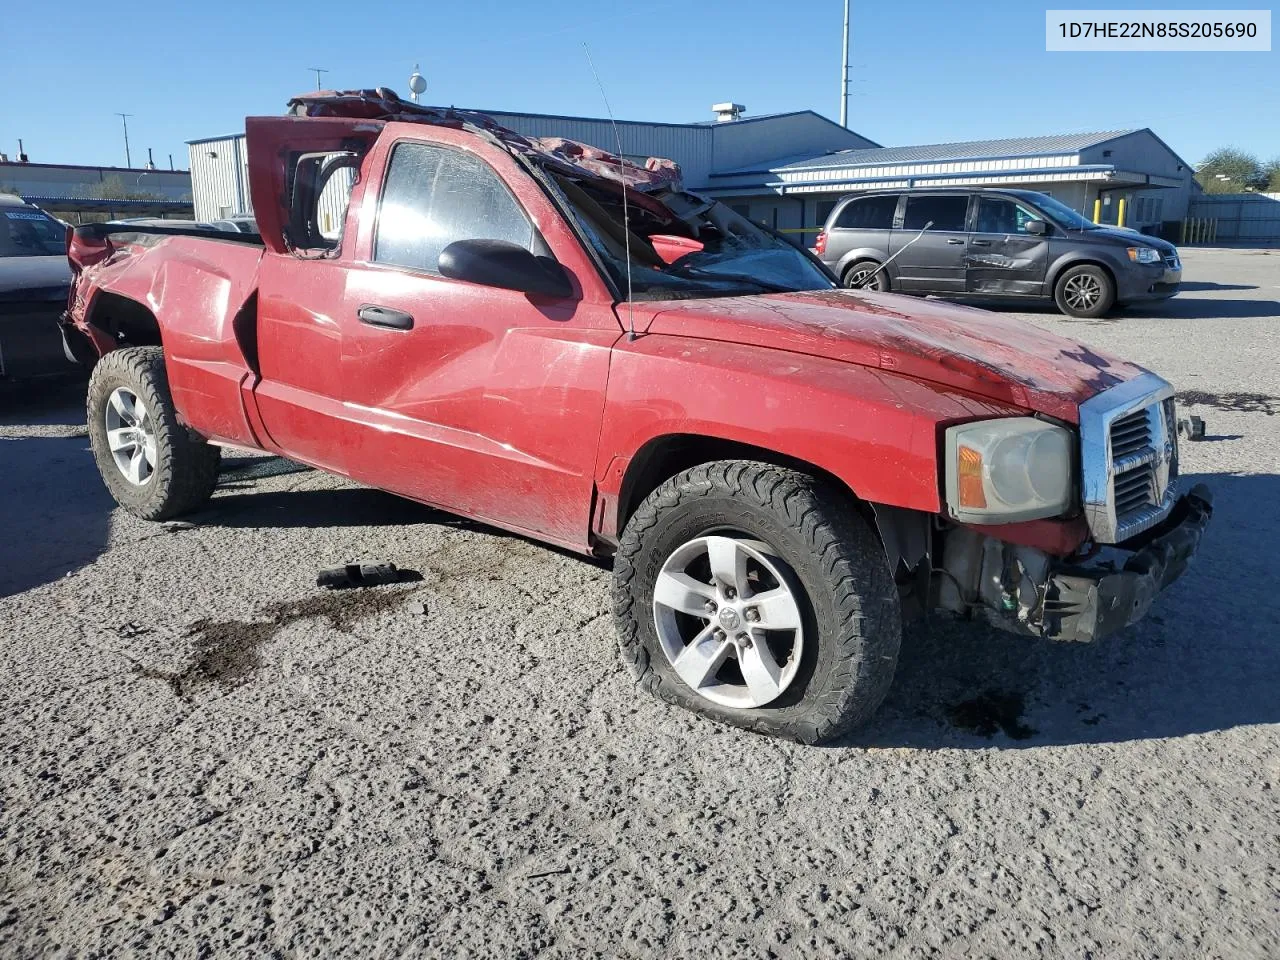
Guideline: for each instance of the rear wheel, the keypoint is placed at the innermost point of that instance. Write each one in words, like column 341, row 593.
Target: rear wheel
column 866, row 275
column 757, row 595
column 153, row 466
column 1085, row 291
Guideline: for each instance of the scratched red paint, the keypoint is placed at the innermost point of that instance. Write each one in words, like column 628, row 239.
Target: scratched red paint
column 525, row 411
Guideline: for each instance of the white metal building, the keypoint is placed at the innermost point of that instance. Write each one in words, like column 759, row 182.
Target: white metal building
column 117, row 191
column 788, row 169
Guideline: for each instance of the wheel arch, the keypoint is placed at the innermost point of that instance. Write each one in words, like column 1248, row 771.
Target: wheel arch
column 857, row 254
column 1060, row 268
column 664, row 456
column 128, row 321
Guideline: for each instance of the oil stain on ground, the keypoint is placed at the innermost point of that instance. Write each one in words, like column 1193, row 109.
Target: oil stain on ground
column 1239, row 402
column 227, row 651
column 990, row 712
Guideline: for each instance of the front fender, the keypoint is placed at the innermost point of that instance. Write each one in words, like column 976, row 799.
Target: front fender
column 877, row 431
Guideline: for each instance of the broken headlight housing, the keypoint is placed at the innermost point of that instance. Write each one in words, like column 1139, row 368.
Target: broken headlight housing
column 1003, row 471
column 1143, row 254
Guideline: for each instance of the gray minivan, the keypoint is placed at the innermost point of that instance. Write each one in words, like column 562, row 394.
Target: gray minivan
column 994, row 243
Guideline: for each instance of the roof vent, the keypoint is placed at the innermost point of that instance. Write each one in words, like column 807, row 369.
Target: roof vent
column 727, row 112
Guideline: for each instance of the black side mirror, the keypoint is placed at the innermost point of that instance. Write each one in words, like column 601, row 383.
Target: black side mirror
column 1036, row 228
column 500, row 263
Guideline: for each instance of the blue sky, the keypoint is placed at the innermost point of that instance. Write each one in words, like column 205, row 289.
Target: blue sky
column 924, row 70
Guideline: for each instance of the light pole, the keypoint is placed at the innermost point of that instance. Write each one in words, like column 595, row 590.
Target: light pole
column 124, row 118
column 844, row 71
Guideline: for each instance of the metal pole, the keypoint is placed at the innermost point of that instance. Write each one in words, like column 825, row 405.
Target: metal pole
column 124, row 118
column 844, row 71
column 317, row 71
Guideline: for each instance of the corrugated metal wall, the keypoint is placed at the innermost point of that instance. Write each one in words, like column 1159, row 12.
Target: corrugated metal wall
column 1242, row 217
column 219, row 178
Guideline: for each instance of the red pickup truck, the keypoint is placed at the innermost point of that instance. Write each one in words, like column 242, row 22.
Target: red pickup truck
column 559, row 342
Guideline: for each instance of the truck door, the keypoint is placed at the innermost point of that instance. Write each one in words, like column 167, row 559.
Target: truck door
column 300, row 173
column 935, row 262
column 1003, row 257
column 482, row 400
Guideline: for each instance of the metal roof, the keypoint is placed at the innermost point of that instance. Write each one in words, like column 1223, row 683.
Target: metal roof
column 964, row 150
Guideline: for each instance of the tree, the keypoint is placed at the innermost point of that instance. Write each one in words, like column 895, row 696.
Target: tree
column 1272, row 170
column 1231, row 170
column 113, row 188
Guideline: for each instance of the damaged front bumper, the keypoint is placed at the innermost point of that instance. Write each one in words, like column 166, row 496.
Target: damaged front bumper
column 1086, row 603
column 1027, row 591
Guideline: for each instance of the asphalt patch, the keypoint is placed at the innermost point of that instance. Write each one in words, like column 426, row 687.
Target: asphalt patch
column 1238, row 402
column 990, row 712
column 227, row 651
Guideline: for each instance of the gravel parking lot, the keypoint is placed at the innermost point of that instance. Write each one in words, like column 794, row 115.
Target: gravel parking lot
column 205, row 755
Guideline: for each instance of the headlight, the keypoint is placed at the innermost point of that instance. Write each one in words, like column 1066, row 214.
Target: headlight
column 1143, row 254
column 1001, row 471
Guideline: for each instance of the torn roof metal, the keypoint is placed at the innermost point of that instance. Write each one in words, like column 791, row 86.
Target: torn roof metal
column 565, row 156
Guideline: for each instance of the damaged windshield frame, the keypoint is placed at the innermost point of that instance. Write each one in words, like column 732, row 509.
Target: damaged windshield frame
column 690, row 217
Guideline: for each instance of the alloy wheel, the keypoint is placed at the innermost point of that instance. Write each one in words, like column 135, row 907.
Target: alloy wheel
column 131, row 436
column 1082, row 292
column 728, row 619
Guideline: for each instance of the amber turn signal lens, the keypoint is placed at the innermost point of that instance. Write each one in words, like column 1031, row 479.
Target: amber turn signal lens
column 969, row 475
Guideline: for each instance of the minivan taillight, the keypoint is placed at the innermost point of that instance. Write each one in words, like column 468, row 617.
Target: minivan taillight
column 820, row 245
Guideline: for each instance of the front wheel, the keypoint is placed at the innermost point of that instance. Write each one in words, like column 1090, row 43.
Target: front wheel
column 152, row 465
column 1085, row 291
column 756, row 595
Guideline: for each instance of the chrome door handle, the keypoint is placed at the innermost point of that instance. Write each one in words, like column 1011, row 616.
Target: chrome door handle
column 954, row 240
column 980, row 243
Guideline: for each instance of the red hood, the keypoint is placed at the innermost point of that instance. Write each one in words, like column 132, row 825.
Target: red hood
column 994, row 356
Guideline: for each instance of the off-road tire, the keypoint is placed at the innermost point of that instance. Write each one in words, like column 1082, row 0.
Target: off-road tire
column 880, row 282
column 850, row 604
column 186, row 469
column 1106, row 297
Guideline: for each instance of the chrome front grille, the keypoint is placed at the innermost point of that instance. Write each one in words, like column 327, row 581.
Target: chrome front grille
column 1129, row 457
column 1130, row 434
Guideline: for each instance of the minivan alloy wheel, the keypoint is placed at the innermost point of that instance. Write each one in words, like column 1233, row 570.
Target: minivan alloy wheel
column 727, row 619
column 1082, row 292
column 131, row 436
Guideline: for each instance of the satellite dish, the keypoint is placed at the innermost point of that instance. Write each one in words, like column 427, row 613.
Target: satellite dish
column 417, row 83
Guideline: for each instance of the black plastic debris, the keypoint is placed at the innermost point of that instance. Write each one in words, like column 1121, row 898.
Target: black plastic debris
column 364, row 575
column 1192, row 428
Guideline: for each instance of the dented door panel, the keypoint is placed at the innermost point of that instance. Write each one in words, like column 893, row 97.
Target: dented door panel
column 1002, row 259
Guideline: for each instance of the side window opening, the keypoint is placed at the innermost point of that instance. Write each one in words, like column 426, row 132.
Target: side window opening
column 997, row 215
column 947, row 213
column 434, row 196
column 869, row 213
column 319, row 191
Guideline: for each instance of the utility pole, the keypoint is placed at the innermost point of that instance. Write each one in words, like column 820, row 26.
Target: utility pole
column 317, row 71
column 124, row 118
column 844, row 71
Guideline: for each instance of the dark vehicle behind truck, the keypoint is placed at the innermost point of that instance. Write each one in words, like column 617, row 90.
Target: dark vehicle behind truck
column 34, row 280
column 994, row 243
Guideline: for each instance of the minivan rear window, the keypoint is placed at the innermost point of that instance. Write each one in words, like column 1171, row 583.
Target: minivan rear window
column 947, row 213
column 868, row 213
